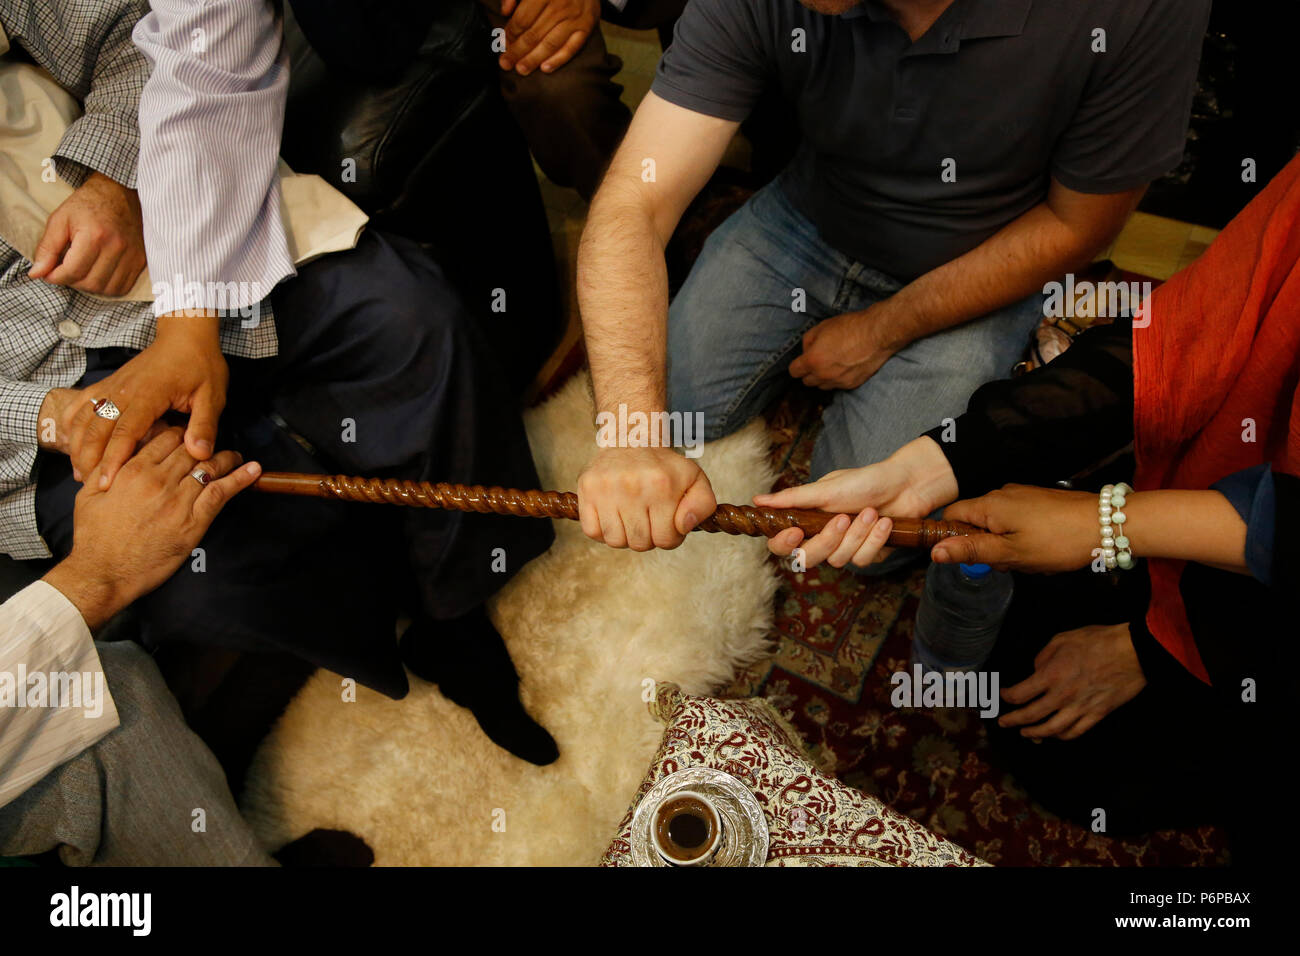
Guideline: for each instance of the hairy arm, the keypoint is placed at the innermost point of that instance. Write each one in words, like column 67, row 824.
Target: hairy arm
column 1061, row 234
column 641, row 497
column 622, row 279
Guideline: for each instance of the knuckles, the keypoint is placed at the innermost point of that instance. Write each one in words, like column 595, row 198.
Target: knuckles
column 626, row 484
column 657, row 483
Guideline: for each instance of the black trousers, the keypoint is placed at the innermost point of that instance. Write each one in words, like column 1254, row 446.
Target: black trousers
column 381, row 371
column 1160, row 761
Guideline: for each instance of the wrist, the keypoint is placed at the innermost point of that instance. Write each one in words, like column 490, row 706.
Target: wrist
column 1094, row 529
column 636, row 425
column 97, row 179
column 883, row 326
column 197, row 326
column 96, row 597
column 646, row 398
column 49, row 430
column 619, row 452
column 928, row 473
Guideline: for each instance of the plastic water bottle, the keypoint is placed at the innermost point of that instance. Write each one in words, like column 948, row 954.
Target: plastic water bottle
column 959, row 617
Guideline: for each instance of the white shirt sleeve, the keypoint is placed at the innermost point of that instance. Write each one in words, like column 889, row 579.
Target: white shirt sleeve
column 211, row 117
column 54, row 702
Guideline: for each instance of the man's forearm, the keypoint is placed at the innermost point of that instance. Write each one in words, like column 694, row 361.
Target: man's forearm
column 623, row 298
column 1013, row 263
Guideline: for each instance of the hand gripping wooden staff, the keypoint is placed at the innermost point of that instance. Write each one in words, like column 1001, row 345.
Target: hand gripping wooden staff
column 728, row 519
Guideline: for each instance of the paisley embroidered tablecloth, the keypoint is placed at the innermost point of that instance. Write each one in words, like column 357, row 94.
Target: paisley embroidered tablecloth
column 812, row 819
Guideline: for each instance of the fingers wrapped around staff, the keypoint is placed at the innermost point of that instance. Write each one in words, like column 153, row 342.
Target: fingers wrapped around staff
column 845, row 540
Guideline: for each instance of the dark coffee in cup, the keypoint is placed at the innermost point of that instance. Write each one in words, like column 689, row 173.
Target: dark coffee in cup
column 686, row 829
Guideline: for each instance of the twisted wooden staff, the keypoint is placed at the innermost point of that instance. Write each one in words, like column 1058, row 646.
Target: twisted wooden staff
column 728, row 519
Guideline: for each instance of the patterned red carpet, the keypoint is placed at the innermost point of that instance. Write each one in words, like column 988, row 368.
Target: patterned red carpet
column 839, row 638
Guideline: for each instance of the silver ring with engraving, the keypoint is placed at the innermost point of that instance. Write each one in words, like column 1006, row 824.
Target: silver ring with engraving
column 105, row 409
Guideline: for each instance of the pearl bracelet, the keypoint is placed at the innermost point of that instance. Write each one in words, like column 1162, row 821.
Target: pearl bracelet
column 1114, row 547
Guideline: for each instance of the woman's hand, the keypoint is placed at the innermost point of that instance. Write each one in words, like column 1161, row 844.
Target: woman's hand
column 1079, row 678
column 1040, row 530
column 912, row 482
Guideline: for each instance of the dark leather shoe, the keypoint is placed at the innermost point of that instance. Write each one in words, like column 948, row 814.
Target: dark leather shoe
column 323, row 847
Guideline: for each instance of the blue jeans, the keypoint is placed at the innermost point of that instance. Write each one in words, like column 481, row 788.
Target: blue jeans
column 733, row 331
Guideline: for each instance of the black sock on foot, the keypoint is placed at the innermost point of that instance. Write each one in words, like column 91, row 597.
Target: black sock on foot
column 468, row 660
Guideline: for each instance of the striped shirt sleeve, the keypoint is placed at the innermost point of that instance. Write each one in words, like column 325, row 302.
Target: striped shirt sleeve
column 54, row 702
column 211, row 116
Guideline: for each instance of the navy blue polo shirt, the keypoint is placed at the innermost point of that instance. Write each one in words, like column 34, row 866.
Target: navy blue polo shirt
column 914, row 153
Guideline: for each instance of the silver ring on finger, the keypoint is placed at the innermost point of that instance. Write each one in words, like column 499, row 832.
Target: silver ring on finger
column 105, row 409
column 203, row 477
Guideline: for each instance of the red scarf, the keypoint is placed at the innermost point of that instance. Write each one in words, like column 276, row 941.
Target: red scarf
column 1223, row 347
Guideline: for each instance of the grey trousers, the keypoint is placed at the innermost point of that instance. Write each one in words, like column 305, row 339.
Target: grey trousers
column 148, row 794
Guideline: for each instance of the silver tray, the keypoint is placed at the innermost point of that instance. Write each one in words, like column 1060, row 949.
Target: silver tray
column 744, row 839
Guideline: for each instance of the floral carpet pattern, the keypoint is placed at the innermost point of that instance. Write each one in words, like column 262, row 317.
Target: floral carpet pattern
column 839, row 638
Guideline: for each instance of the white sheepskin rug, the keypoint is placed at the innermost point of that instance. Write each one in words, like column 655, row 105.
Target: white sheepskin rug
column 588, row 629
